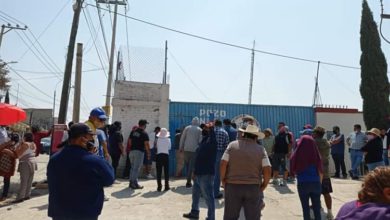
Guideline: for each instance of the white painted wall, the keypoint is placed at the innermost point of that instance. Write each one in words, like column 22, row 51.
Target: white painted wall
column 138, row 100
column 345, row 121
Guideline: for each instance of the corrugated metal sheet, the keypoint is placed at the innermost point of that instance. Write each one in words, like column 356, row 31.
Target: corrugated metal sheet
column 268, row 116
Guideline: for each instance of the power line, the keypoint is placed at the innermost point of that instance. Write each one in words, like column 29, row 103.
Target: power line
column 47, row 27
column 188, row 76
column 230, row 44
column 97, row 51
column 44, row 72
column 17, row 21
column 32, row 85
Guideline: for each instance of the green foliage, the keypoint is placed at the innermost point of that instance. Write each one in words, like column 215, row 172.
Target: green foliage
column 374, row 87
column 4, row 79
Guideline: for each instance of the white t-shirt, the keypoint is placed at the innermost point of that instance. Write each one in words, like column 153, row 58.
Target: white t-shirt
column 163, row 145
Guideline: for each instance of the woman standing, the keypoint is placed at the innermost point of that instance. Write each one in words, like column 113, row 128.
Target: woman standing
column 162, row 159
column 373, row 149
column 306, row 163
column 27, row 166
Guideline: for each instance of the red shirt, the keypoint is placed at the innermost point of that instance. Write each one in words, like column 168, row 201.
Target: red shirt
column 37, row 140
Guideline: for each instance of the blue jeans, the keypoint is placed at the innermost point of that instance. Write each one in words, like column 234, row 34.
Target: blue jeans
column 356, row 160
column 372, row 166
column 203, row 184
column 310, row 190
column 386, row 157
column 217, row 179
column 136, row 159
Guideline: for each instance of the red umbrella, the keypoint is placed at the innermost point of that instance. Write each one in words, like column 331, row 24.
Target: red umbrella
column 10, row 114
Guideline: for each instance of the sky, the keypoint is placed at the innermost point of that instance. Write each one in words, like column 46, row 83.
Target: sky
column 198, row 70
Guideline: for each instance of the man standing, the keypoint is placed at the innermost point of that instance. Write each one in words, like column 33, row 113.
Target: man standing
column 97, row 119
column 245, row 173
column 326, row 185
column 189, row 142
column 38, row 135
column 279, row 152
column 230, row 130
column 76, row 178
column 179, row 155
column 139, row 145
column 356, row 141
column 204, row 171
column 116, row 147
column 222, row 138
column 337, row 150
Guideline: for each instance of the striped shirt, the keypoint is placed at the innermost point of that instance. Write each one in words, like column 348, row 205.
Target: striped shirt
column 222, row 138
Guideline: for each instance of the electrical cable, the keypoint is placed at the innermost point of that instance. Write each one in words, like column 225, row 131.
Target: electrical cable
column 188, row 76
column 97, row 51
column 47, row 73
column 102, row 28
column 232, row 45
column 40, row 60
column 32, row 85
column 128, row 45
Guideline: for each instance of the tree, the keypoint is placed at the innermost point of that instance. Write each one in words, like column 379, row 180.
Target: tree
column 4, row 79
column 374, row 87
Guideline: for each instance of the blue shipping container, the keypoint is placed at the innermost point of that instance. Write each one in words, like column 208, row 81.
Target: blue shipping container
column 267, row 116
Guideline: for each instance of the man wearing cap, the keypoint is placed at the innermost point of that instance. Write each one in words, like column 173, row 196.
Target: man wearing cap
column 96, row 120
column 139, row 145
column 245, row 172
column 189, row 142
column 76, row 178
column 373, row 149
column 204, row 172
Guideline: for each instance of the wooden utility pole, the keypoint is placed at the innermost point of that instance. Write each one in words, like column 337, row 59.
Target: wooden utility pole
column 317, row 97
column 69, row 62
column 251, row 76
column 77, row 84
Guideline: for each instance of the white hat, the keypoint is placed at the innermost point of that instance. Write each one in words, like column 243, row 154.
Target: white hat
column 163, row 133
column 253, row 129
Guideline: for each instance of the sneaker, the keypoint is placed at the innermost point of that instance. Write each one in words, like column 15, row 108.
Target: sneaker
column 166, row 188
column 219, row 196
column 149, row 176
column 329, row 216
column 283, row 183
column 139, row 187
column 188, row 185
column 351, row 174
column 191, row 215
column 159, row 188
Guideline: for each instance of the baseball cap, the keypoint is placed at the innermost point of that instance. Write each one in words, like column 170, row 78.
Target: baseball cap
column 79, row 129
column 142, row 122
column 99, row 112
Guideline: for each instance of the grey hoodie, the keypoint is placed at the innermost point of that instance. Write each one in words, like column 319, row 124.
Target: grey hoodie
column 191, row 136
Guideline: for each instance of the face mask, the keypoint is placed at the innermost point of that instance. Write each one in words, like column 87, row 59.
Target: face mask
column 370, row 137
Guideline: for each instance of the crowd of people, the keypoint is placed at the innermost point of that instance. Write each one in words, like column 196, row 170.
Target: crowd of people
column 213, row 156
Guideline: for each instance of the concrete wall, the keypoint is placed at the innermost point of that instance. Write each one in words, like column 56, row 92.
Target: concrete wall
column 345, row 120
column 133, row 101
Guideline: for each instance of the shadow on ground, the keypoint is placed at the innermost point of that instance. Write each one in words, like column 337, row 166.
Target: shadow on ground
column 153, row 194
column 40, row 208
column 283, row 189
column 125, row 193
column 182, row 190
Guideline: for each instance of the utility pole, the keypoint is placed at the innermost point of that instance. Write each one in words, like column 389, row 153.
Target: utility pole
column 77, row 84
column 9, row 27
column 69, row 63
column 317, row 96
column 107, row 107
column 166, row 62
column 251, row 77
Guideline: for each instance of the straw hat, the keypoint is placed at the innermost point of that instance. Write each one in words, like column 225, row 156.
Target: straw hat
column 253, row 129
column 269, row 130
column 163, row 133
column 374, row 131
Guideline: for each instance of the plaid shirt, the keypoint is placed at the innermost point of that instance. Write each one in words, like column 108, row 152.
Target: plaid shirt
column 222, row 138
